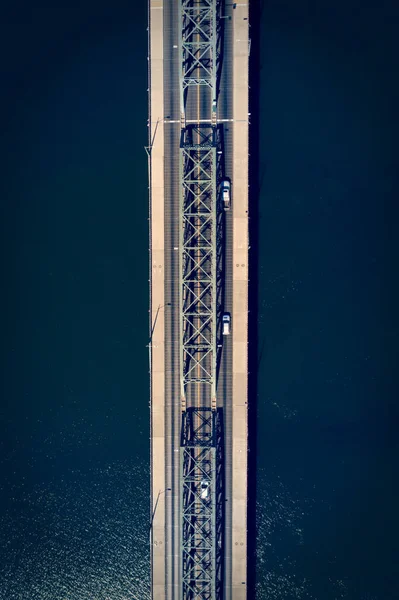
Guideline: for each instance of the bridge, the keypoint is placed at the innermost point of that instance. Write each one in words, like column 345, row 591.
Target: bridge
column 198, row 143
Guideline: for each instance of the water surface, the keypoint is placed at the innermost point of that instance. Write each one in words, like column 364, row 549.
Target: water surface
column 74, row 444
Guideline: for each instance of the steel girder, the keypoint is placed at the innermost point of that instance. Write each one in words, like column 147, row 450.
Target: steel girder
column 199, row 48
column 198, row 255
column 200, row 301
column 202, row 517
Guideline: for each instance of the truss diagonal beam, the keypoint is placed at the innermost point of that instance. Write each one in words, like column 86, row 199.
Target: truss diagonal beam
column 199, row 47
column 199, row 252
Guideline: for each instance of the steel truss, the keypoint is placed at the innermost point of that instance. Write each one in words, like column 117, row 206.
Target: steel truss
column 200, row 255
column 200, row 304
column 199, row 48
column 202, row 518
column 198, row 289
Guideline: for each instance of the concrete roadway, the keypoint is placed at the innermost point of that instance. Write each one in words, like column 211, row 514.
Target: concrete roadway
column 172, row 415
column 172, row 315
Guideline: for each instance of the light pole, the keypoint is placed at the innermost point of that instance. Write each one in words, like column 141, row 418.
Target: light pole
column 156, row 504
column 151, row 534
column 149, row 345
column 155, row 320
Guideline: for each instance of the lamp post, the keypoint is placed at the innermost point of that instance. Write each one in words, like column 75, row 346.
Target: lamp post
column 156, row 504
column 149, row 345
column 151, row 540
column 156, row 317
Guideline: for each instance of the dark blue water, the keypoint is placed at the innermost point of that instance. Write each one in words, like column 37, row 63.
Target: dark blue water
column 327, row 413
column 74, row 444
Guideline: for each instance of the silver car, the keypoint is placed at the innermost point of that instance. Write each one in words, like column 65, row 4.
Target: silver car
column 226, row 320
column 204, row 489
column 225, row 188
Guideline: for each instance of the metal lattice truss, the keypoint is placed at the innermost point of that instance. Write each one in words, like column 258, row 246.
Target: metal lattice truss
column 199, row 298
column 198, row 286
column 199, row 49
column 199, row 548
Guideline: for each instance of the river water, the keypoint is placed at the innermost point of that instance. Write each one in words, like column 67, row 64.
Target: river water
column 74, row 446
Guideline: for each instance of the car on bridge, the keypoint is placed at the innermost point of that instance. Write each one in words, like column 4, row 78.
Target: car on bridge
column 225, row 189
column 204, row 489
column 226, row 321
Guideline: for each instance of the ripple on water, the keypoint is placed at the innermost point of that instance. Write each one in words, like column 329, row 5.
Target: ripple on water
column 280, row 517
column 85, row 539
column 282, row 511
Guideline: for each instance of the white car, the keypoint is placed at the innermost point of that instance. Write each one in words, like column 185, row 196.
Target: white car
column 225, row 191
column 204, row 489
column 226, row 320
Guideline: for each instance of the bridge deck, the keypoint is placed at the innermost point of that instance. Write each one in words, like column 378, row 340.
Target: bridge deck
column 164, row 120
column 157, row 299
column 240, row 303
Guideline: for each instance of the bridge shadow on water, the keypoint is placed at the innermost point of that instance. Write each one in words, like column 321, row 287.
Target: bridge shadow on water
column 254, row 189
